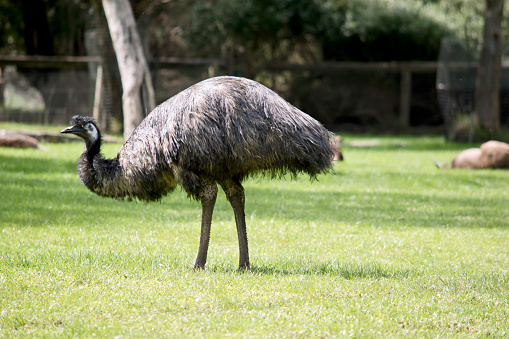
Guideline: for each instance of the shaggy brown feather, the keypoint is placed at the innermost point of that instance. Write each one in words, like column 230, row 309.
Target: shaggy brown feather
column 225, row 128
column 221, row 130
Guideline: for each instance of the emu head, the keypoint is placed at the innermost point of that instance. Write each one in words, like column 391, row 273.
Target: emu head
column 84, row 127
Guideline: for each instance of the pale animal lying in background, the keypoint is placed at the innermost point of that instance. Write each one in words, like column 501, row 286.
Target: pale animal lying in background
column 491, row 154
column 18, row 140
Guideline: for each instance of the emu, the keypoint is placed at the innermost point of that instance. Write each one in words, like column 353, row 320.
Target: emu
column 219, row 131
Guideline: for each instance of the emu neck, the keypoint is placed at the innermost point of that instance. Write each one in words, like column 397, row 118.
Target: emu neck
column 132, row 174
column 93, row 147
column 94, row 171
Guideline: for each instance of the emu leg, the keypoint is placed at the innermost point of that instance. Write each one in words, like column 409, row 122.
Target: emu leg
column 235, row 195
column 208, row 200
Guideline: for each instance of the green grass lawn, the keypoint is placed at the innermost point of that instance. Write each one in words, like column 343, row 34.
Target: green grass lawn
column 390, row 246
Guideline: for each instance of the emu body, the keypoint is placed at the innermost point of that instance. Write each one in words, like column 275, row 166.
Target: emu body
column 219, row 131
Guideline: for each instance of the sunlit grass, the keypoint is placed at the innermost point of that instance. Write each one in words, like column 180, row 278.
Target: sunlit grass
column 389, row 246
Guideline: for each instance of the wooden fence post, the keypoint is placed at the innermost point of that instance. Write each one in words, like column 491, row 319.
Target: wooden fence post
column 405, row 97
column 1, row 89
column 97, row 113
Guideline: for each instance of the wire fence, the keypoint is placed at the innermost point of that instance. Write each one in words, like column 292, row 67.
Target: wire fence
column 46, row 96
column 50, row 91
column 456, row 77
column 343, row 96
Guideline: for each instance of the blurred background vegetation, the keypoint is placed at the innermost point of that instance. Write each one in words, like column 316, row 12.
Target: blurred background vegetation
column 256, row 30
column 251, row 33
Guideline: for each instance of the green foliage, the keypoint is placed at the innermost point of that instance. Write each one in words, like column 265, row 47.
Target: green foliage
column 11, row 27
column 466, row 19
column 267, row 28
column 335, row 29
column 387, row 30
column 390, row 246
column 68, row 21
column 272, row 30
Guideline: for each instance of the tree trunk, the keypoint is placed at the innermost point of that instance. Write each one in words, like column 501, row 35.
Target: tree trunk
column 487, row 85
column 111, row 75
column 133, row 67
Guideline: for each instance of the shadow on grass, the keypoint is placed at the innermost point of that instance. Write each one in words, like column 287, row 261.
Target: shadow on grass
column 370, row 270
column 39, row 191
column 410, row 147
column 68, row 202
column 379, row 208
column 36, row 165
column 54, row 198
column 409, row 143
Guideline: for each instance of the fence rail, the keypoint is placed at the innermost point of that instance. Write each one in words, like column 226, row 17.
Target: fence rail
column 45, row 62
